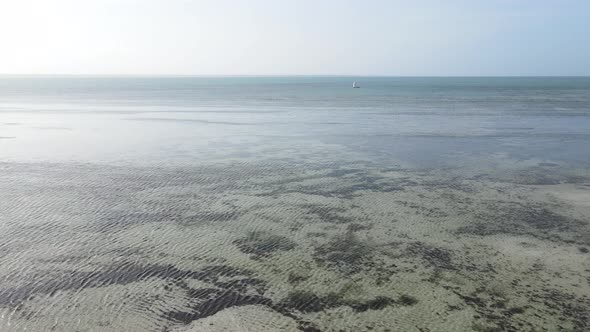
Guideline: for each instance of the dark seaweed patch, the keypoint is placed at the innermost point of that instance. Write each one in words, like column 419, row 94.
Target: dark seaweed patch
column 377, row 303
column 544, row 219
column 232, row 290
column 408, row 300
column 494, row 318
column 490, row 307
column 317, row 234
column 569, row 306
column 480, row 327
column 515, row 310
column 531, row 219
column 433, row 212
column 222, row 300
column 306, row 302
column 327, row 214
column 210, row 301
column 437, row 257
column 307, row 327
column 55, row 281
column 262, row 244
column 351, row 183
column 295, row 278
column 344, row 251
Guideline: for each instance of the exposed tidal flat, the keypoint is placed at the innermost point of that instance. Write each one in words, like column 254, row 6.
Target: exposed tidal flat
column 332, row 221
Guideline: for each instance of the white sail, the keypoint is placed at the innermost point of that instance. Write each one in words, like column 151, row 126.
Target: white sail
column 354, row 85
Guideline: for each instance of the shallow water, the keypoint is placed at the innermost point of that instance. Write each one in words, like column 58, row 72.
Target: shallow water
column 294, row 204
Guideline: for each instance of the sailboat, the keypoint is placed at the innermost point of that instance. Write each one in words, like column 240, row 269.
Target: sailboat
column 354, row 85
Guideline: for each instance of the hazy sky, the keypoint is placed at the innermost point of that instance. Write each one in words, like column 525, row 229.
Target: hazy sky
column 270, row 37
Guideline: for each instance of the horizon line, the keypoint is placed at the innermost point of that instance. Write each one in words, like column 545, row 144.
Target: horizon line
column 290, row 75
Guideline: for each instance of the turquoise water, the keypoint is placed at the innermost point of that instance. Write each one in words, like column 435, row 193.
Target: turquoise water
column 294, row 204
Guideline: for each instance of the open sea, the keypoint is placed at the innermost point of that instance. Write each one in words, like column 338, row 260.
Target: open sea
column 259, row 204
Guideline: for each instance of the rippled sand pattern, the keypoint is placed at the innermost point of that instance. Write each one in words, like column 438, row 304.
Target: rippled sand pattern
column 287, row 246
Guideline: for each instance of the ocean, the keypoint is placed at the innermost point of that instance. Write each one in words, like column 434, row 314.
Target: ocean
column 294, row 203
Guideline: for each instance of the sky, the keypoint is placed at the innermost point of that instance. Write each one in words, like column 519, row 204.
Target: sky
column 295, row 37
